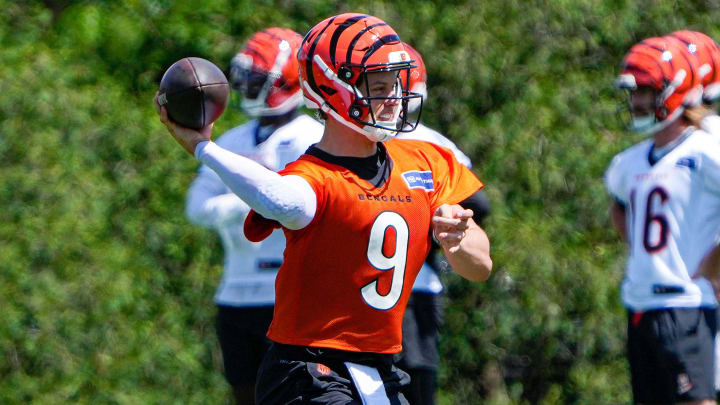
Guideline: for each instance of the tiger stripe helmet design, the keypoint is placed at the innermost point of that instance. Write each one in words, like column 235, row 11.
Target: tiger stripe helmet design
column 664, row 65
column 335, row 58
column 708, row 54
column 265, row 73
column 417, row 80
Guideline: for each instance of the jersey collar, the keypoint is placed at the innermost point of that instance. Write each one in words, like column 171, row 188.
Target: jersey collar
column 375, row 169
column 656, row 154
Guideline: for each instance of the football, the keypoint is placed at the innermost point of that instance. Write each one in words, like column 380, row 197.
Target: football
column 194, row 91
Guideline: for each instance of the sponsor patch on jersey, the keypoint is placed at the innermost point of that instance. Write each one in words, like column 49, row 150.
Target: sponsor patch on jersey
column 269, row 264
column 418, row 179
column 667, row 289
column 284, row 144
column 687, row 162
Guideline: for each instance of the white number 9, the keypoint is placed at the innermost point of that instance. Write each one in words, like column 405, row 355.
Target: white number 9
column 381, row 262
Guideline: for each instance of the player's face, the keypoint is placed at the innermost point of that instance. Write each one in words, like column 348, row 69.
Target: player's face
column 642, row 101
column 382, row 84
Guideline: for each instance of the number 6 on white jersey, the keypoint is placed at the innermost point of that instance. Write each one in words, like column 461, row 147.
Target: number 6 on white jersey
column 381, row 262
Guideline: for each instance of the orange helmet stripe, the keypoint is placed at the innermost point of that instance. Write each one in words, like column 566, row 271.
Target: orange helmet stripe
column 311, row 53
column 336, row 35
column 379, row 43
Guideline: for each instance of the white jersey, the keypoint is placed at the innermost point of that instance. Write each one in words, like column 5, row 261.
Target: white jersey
column 673, row 220
column 249, row 268
column 717, row 362
column 427, row 280
column 711, row 124
column 423, row 133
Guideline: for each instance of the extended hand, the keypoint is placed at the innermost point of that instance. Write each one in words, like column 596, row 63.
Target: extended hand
column 186, row 137
column 449, row 225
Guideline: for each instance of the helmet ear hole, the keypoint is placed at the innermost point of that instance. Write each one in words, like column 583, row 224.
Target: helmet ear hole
column 357, row 111
column 345, row 73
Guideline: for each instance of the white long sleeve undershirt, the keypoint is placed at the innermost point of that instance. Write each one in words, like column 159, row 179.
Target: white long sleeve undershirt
column 289, row 200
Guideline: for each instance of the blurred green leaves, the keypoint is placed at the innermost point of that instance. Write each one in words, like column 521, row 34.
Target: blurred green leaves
column 106, row 290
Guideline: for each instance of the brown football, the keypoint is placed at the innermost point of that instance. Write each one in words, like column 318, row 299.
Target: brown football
column 194, row 91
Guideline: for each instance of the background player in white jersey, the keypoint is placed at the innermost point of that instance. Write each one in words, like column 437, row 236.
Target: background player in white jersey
column 424, row 314
column 704, row 114
column 265, row 76
column 667, row 200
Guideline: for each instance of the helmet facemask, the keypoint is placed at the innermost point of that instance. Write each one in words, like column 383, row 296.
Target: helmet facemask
column 362, row 118
column 657, row 117
column 382, row 128
column 645, row 123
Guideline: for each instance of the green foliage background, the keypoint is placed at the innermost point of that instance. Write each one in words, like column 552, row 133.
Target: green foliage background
column 106, row 290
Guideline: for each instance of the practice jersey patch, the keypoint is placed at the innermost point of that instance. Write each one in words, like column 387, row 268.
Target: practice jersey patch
column 419, row 179
column 687, row 162
column 268, row 264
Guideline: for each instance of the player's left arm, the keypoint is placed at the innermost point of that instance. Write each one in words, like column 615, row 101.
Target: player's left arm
column 465, row 244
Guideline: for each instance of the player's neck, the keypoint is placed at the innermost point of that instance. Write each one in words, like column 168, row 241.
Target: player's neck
column 671, row 133
column 340, row 140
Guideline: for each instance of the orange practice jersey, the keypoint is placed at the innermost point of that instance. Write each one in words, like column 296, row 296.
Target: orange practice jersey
column 347, row 276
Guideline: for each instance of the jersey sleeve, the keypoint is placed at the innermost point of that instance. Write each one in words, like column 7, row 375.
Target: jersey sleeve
column 453, row 182
column 614, row 180
column 257, row 227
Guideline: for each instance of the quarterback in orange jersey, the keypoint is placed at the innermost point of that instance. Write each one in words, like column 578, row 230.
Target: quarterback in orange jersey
column 358, row 214
column 362, row 251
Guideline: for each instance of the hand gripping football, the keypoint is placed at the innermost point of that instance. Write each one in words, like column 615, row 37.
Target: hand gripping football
column 194, row 91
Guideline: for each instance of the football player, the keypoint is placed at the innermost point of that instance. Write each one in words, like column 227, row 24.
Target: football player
column 704, row 115
column 265, row 77
column 358, row 216
column 424, row 312
column 666, row 192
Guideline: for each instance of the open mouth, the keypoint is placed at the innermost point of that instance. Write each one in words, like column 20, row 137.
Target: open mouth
column 386, row 114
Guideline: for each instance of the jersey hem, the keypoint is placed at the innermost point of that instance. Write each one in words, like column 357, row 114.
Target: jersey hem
column 335, row 344
column 664, row 305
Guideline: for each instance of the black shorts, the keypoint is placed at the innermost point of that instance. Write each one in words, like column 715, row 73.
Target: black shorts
column 241, row 332
column 310, row 375
column 671, row 354
column 420, row 328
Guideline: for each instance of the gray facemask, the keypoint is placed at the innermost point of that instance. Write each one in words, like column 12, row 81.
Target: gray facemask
column 643, row 124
